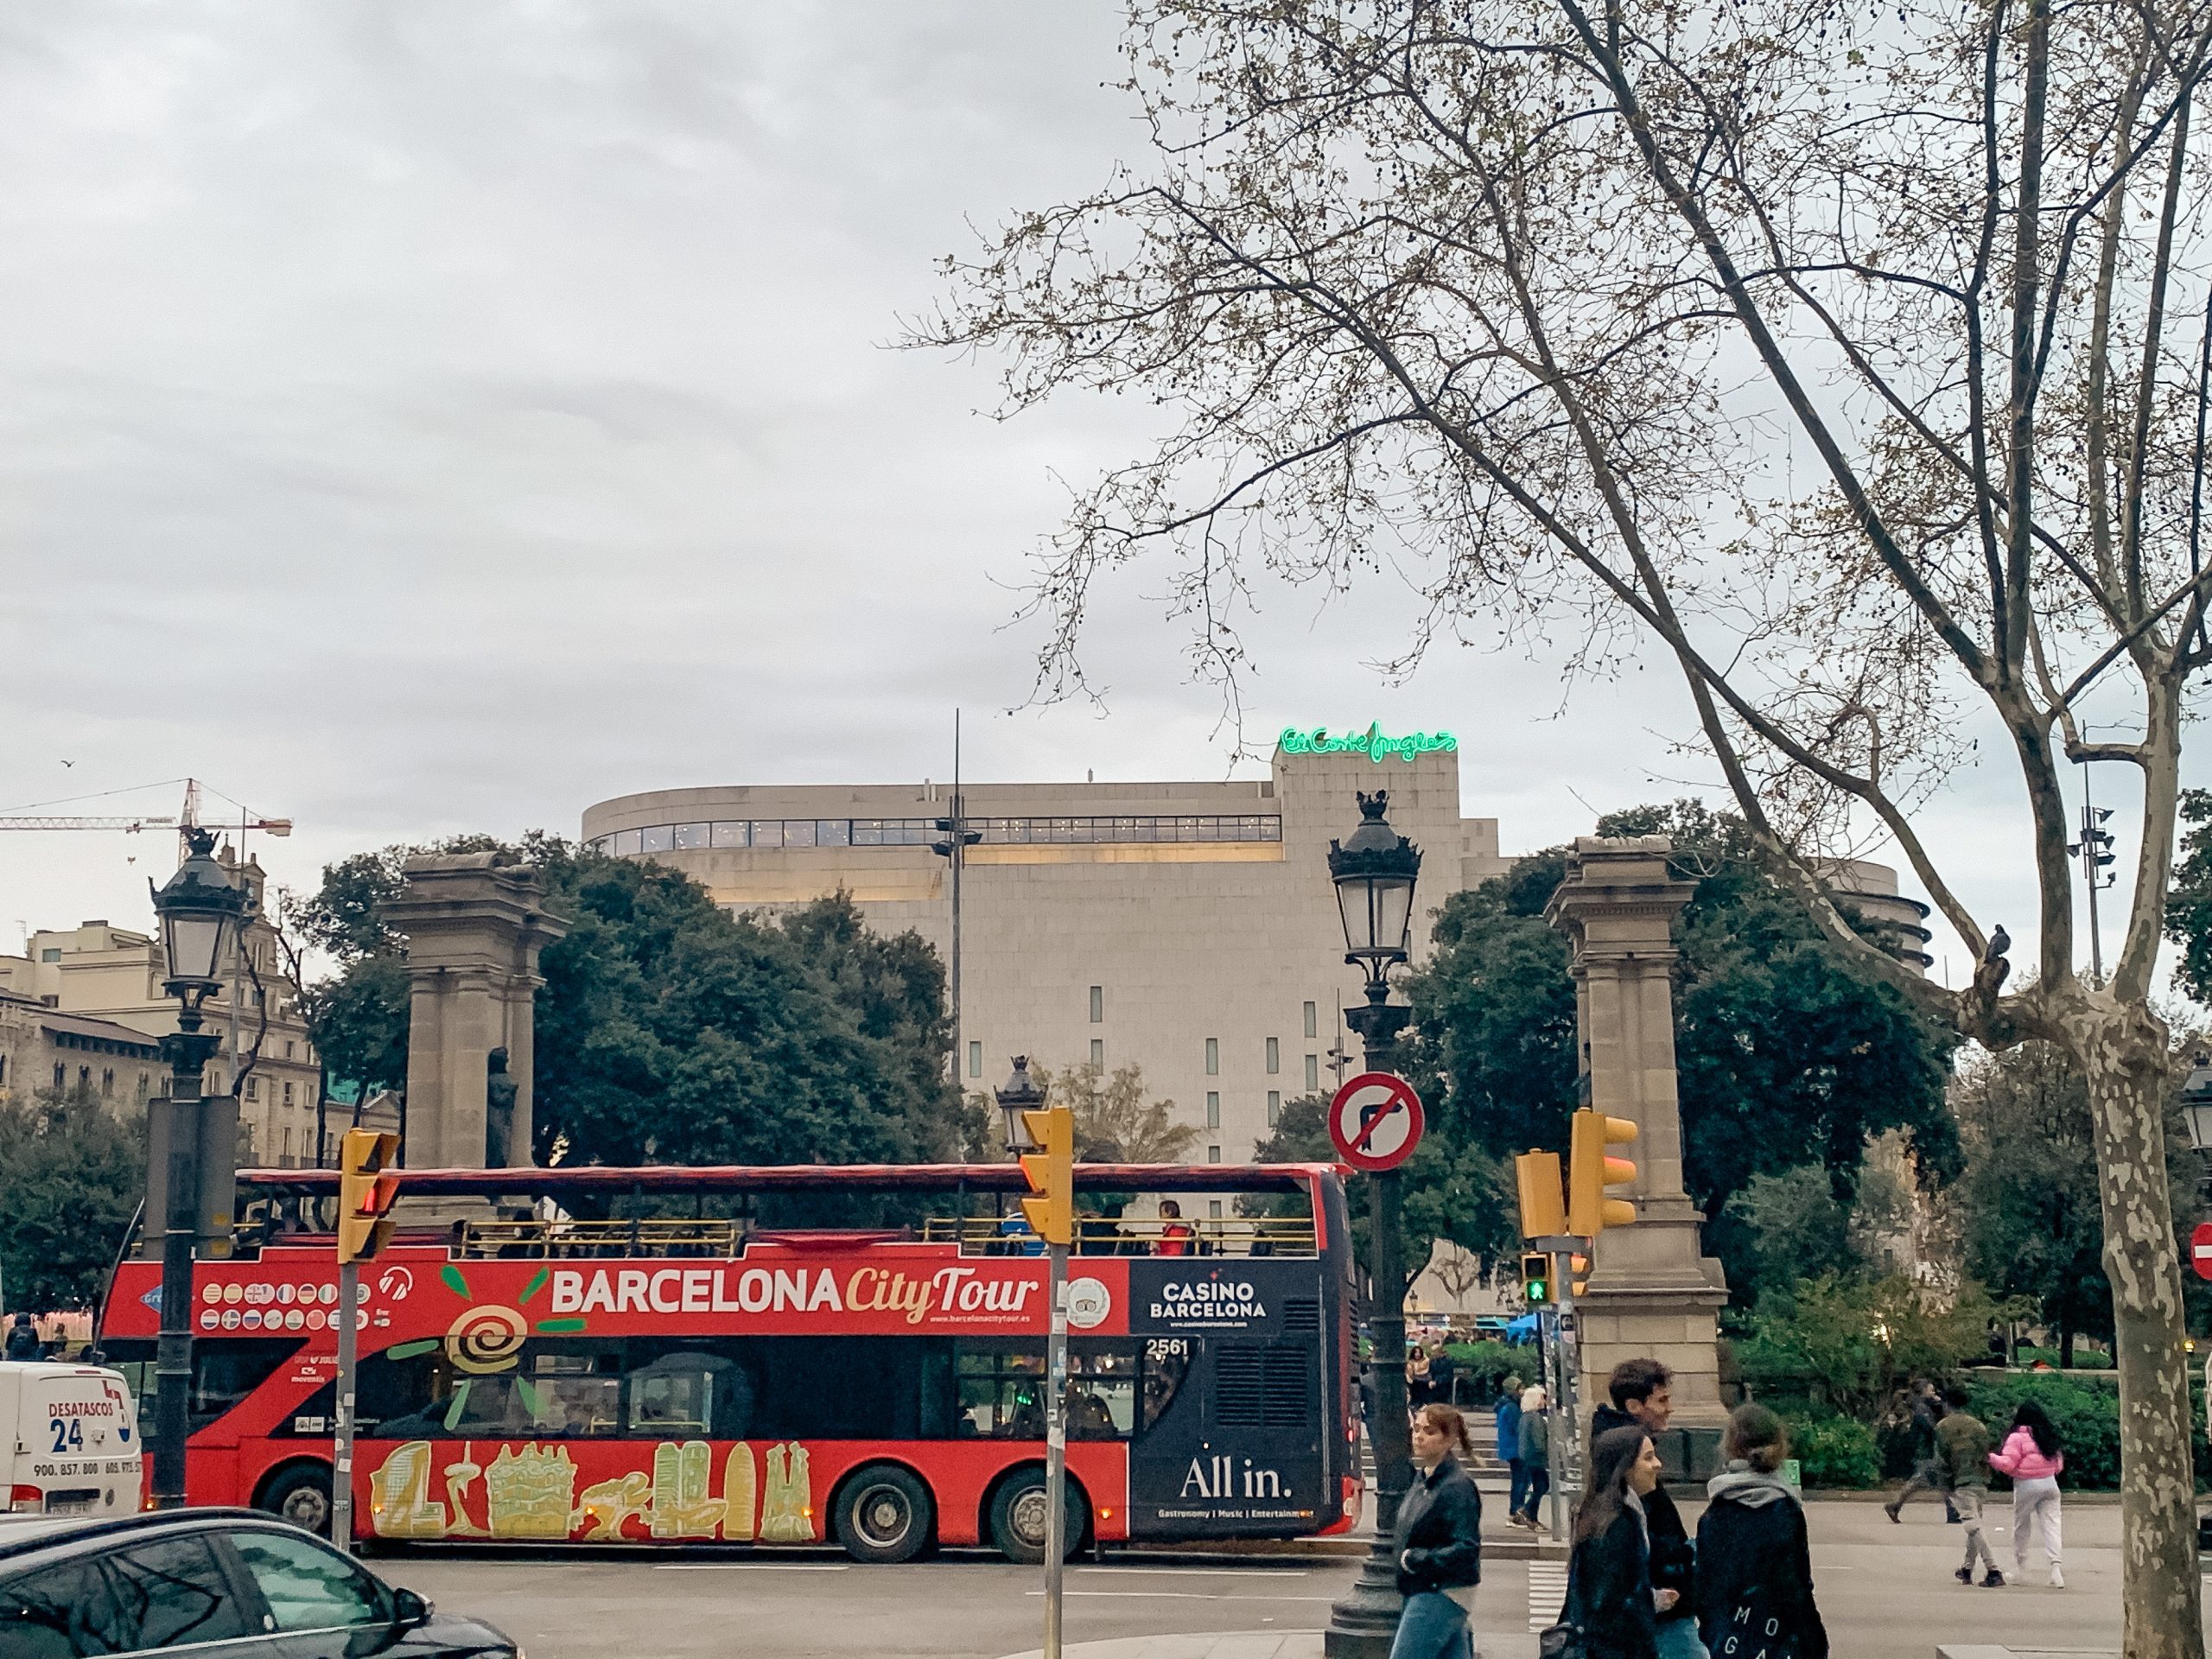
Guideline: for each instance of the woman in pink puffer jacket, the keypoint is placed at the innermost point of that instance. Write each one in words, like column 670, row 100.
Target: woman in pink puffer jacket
column 2031, row 1457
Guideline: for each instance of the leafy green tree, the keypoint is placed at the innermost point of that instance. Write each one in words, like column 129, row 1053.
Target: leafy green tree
column 2032, row 1221
column 1114, row 1123
column 669, row 1030
column 2189, row 901
column 72, row 1175
column 1788, row 1053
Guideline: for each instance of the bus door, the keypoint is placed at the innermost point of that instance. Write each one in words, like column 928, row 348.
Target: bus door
column 1231, row 1435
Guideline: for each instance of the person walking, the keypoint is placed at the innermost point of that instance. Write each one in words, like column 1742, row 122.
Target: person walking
column 1925, row 1409
column 1641, row 1392
column 1443, row 1373
column 2032, row 1456
column 1963, row 1444
column 1438, row 1541
column 1754, row 1564
column 1610, row 1601
column 22, row 1339
column 1508, row 1415
column 1535, row 1454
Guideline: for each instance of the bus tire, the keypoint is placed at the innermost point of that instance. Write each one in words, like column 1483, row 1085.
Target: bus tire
column 300, row 1492
column 1018, row 1516
column 883, row 1514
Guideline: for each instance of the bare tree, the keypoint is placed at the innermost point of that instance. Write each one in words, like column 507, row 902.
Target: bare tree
column 1114, row 1122
column 1850, row 358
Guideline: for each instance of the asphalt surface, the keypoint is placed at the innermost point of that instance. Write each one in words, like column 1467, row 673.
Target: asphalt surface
column 1883, row 1590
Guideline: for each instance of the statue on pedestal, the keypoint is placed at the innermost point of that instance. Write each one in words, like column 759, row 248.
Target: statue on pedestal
column 499, row 1093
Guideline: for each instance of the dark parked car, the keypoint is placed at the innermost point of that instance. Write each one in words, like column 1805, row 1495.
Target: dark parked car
column 228, row 1584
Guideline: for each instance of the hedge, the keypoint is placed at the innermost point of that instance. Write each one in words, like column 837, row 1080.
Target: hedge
column 1483, row 1365
column 1835, row 1452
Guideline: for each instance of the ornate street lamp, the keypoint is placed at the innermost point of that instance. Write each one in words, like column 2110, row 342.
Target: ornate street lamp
column 199, row 909
column 2197, row 1104
column 1021, row 1094
column 1375, row 871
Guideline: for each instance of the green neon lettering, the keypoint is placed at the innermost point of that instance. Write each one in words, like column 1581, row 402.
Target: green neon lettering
column 1371, row 743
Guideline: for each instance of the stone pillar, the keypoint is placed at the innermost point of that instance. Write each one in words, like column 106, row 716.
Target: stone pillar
column 474, row 927
column 1653, row 1290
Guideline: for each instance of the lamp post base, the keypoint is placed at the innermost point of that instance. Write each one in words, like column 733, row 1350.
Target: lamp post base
column 1365, row 1623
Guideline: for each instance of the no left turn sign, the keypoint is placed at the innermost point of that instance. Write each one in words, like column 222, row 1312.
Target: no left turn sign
column 1376, row 1121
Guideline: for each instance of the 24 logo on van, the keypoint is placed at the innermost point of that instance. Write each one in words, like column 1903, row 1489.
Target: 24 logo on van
column 963, row 1294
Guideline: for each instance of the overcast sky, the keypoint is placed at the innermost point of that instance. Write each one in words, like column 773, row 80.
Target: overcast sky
column 422, row 418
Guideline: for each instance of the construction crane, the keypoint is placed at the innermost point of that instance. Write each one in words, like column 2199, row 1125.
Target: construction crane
column 129, row 826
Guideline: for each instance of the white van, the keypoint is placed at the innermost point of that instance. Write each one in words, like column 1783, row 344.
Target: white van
column 70, row 1438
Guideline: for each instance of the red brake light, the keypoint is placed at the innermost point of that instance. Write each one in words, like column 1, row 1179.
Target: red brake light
column 23, row 1500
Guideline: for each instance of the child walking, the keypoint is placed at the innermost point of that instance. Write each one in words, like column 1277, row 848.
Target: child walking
column 1963, row 1443
column 2031, row 1456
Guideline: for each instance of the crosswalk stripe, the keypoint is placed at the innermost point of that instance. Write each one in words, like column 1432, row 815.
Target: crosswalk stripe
column 1547, row 1594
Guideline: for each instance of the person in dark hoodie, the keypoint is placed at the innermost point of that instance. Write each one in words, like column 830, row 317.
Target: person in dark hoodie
column 1641, row 1392
column 1437, row 1542
column 1754, row 1568
column 1610, row 1599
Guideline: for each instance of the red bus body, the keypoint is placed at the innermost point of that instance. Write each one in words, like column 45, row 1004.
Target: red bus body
column 528, row 1390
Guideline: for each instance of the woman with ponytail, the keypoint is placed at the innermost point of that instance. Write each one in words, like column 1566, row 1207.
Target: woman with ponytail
column 1438, row 1543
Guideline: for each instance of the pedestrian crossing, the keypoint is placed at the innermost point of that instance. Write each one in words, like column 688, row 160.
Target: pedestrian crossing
column 1547, row 1594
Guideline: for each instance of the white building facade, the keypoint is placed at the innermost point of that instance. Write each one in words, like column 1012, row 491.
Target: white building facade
column 1188, row 928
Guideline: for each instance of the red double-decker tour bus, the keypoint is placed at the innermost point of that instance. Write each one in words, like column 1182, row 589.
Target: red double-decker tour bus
column 658, row 1356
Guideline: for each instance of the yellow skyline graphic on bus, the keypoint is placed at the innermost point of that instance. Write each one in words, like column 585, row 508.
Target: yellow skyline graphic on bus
column 529, row 1493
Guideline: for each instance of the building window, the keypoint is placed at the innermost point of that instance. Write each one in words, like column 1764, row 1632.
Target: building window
column 288, row 1047
column 3, row 1070
column 1098, row 1052
column 659, row 838
column 1312, row 1020
column 1275, row 1056
column 50, row 953
column 253, row 1088
column 1312, row 1074
column 1213, row 1057
column 145, row 1087
column 107, row 1083
column 975, row 1059
column 1097, row 1004
column 1213, row 1208
column 729, row 832
column 1274, row 1115
column 60, row 1077
column 692, row 837
column 1213, row 1109
column 288, row 1094
column 1213, row 1155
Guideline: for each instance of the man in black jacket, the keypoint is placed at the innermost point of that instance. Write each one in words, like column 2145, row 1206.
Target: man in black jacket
column 1643, row 1398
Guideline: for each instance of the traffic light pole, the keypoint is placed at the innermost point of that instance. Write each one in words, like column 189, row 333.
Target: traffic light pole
column 341, row 1480
column 1056, row 1445
column 1563, row 1446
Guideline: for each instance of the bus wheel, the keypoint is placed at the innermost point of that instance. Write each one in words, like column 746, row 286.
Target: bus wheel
column 1018, row 1517
column 301, row 1493
column 883, row 1514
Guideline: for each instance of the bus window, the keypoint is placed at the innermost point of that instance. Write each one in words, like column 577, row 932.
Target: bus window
column 1001, row 1392
column 696, row 1394
column 224, row 1372
column 1166, row 1363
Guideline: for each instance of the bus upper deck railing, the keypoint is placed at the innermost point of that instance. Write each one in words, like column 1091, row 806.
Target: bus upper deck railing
column 1258, row 1236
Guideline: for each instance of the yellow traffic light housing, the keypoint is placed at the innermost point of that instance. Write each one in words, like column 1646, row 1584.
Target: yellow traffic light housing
column 1579, row 1268
column 367, row 1186
column 1050, row 1172
column 1590, row 1171
column 1543, row 1208
column 1537, row 1277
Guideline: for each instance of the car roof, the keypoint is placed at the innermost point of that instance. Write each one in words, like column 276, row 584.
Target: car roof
column 22, row 1535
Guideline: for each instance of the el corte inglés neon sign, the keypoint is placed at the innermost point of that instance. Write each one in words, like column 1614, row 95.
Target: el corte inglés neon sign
column 1371, row 743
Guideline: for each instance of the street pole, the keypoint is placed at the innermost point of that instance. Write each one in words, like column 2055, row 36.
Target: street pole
column 341, row 1479
column 1365, row 1623
column 1563, row 1444
column 1056, row 1445
column 187, row 1050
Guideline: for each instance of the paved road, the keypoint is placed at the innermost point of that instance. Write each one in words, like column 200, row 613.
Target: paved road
column 1886, row 1593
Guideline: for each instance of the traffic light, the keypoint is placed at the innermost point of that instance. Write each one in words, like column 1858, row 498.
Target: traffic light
column 1049, row 1171
column 367, row 1184
column 1579, row 1266
column 1543, row 1209
column 1590, row 1171
column 1537, row 1277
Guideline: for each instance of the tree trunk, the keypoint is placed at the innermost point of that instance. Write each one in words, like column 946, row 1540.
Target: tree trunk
column 2065, row 1347
column 2123, row 1052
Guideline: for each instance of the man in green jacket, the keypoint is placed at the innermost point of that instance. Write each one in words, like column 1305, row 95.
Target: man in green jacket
column 1962, row 1447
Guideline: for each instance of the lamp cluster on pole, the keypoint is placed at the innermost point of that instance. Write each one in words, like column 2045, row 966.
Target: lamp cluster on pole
column 199, row 910
column 1374, row 871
